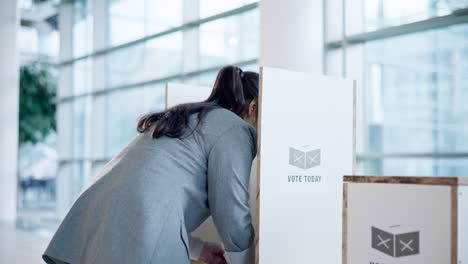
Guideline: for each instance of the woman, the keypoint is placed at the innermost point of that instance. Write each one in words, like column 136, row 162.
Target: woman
column 189, row 162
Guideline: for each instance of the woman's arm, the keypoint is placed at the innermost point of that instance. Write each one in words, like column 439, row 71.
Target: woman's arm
column 229, row 165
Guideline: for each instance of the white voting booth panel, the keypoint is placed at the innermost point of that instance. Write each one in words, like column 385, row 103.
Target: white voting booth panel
column 306, row 145
column 179, row 94
column 404, row 220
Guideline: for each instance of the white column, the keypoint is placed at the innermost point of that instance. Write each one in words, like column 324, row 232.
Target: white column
column 9, row 100
column 100, row 42
column 97, row 130
column 291, row 34
column 65, row 112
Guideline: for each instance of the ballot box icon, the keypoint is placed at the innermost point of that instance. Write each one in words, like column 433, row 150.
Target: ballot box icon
column 395, row 245
column 304, row 159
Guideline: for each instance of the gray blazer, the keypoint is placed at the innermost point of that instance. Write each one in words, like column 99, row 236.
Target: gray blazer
column 156, row 191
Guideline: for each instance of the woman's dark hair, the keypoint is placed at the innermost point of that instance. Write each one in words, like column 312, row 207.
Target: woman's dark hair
column 233, row 90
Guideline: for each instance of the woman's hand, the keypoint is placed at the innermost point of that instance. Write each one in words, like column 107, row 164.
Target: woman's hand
column 212, row 253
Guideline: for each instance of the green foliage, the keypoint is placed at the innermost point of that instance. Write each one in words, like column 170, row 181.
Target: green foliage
column 37, row 103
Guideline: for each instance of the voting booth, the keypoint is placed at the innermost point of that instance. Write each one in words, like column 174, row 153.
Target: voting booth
column 305, row 146
column 403, row 220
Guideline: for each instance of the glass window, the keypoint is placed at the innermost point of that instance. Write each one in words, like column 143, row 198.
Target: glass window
column 334, row 65
column 65, row 80
column 384, row 13
column 416, row 167
column 156, row 58
column 27, row 40
column 81, row 126
column 124, row 65
column 250, row 67
column 26, row 4
column 155, row 98
column 126, row 20
column 82, row 76
column 417, row 94
column 82, row 28
column 81, row 171
column 207, row 79
column 191, row 80
column 133, row 19
column 213, row 7
column 334, row 19
column 162, row 14
column 97, row 166
column 65, row 129
column 97, row 135
column 163, row 56
column 229, row 40
column 413, row 87
column 124, row 109
column 50, row 44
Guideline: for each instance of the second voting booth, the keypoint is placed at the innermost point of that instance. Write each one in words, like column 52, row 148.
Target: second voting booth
column 405, row 220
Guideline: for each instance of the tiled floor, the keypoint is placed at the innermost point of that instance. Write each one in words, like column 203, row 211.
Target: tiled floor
column 26, row 240
column 18, row 245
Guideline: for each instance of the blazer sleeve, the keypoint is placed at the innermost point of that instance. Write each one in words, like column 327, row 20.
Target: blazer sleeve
column 229, row 165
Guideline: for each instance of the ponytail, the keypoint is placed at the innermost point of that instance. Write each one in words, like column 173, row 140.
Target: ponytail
column 228, row 91
column 233, row 88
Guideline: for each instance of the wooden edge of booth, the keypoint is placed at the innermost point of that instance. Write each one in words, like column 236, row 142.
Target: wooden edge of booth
column 406, row 180
column 259, row 134
column 454, row 223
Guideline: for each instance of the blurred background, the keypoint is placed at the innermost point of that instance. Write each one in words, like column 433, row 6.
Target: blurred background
column 78, row 74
